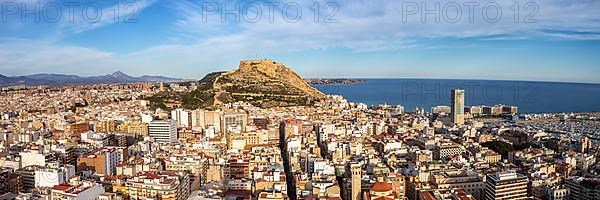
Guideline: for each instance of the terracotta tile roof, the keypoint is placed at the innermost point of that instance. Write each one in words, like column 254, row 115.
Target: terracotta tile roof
column 381, row 187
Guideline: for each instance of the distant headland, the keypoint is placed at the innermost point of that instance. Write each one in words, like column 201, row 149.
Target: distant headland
column 334, row 81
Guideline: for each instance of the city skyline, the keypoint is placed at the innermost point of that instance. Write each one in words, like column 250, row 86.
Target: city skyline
column 299, row 100
column 261, row 132
column 361, row 40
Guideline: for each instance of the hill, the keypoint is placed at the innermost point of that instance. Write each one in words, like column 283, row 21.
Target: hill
column 263, row 83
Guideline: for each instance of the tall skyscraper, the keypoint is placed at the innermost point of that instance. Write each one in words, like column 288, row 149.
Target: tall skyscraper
column 163, row 130
column 458, row 106
column 356, row 181
column 505, row 185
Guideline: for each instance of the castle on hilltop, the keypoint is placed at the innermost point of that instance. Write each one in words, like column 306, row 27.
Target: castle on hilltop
column 245, row 63
column 267, row 66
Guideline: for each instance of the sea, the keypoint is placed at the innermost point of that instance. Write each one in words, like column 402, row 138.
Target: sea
column 529, row 96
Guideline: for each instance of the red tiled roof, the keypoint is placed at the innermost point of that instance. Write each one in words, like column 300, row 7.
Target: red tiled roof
column 62, row 187
column 381, row 187
column 427, row 195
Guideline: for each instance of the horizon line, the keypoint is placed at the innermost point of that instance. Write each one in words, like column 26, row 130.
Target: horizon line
column 425, row 78
column 467, row 79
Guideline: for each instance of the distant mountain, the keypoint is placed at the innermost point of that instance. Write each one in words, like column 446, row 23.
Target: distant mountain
column 7, row 80
column 63, row 79
column 263, row 83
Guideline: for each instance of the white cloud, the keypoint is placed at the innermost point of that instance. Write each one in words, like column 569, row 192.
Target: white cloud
column 85, row 17
column 384, row 20
column 18, row 57
column 364, row 26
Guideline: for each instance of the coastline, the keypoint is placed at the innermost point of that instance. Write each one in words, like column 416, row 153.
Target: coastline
column 336, row 81
column 530, row 97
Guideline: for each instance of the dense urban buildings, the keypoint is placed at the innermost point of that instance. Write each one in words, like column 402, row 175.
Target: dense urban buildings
column 110, row 142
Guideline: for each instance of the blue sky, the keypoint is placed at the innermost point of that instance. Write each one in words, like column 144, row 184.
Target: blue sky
column 551, row 40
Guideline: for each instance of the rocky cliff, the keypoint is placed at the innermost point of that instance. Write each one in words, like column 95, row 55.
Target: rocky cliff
column 263, row 83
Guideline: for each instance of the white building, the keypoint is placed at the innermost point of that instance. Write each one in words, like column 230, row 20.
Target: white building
column 146, row 118
column 49, row 177
column 183, row 117
column 112, row 158
column 97, row 139
column 162, row 130
column 36, row 157
column 323, row 167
